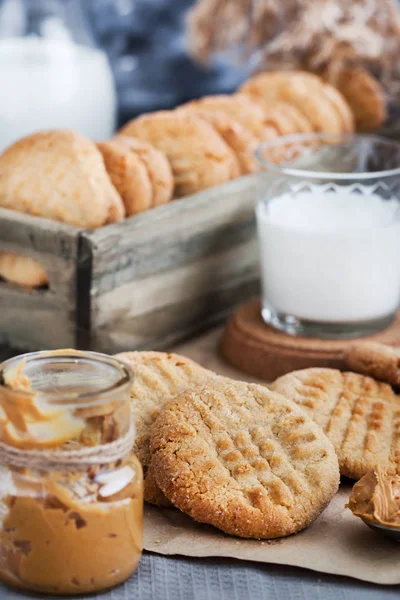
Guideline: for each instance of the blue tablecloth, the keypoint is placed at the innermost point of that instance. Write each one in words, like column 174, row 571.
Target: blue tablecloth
column 173, row 578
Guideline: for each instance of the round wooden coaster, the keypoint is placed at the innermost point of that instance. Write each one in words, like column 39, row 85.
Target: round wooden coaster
column 252, row 346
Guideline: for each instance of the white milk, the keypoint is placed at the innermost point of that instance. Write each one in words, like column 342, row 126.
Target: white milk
column 331, row 257
column 49, row 84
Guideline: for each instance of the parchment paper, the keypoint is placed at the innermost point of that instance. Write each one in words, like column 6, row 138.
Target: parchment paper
column 336, row 543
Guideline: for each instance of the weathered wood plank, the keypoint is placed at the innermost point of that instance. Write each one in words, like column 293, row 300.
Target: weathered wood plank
column 173, row 235
column 35, row 319
column 174, row 286
column 36, row 233
column 53, row 244
column 148, row 281
column 158, row 276
column 164, row 327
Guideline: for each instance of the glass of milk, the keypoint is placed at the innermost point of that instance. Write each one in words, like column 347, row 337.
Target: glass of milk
column 328, row 224
column 52, row 73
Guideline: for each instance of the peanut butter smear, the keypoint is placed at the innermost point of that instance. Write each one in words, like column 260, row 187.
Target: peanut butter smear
column 15, row 379
column 29, row 420
column 376, row 498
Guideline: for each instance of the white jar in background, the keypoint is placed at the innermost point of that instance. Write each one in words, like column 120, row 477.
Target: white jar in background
column 49, row 78
column 330, row 239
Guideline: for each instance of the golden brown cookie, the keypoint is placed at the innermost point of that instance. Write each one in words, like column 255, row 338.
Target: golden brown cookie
column 22, row 270
column 342, row 107
column 376, row 360
column 312, row 103
column 264, row 87
column 281, row 120
column 241, row 108
column 323, row 107
column 157, row 165
column 333, row 96
column 159, row 377
column 129, row 175
column 360, row 416
column 241, row 458
column 198, row 156
column 289, row 119
column 364, row 94
column 240, row 140
column 60, row 175
column 300, row 122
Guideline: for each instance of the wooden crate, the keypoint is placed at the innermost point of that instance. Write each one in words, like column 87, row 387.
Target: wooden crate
column 144, row 283
column 47, row 318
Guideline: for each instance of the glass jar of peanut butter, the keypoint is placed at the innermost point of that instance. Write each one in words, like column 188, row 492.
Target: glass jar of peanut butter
column 71, row 490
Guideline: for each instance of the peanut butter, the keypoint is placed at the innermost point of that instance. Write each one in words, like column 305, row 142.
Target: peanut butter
column 376, row 498
column 67, row 530
column 62, row 542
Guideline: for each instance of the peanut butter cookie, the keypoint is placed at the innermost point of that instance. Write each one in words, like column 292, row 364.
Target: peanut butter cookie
column 364, row 94
column 323, row 106
column 129, row 175
column 376, row 360
column 159, row 377
column 22, row 270
column 342, row 107
column 241, row 458
column 290, row 120
column 157, row 165
column 59, row 175
column 333, row 96
column 359, row 415
column 198, row 156
column 281, row 120
column 240, row 108
column 240, row 140
column 300, row 123
column 311, row 102
column 264, row 87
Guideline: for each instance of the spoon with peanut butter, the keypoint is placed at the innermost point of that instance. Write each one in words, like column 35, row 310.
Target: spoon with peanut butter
column 376, row 500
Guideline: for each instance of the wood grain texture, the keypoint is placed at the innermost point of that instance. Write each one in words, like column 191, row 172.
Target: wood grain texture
column 261, row 351
column 162, row 275
column 34, row 319
column 197, row 279
column 162, row 328
column 148, row 281
column 173, row 234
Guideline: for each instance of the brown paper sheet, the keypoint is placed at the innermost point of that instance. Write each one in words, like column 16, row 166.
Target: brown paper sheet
column 336, row 543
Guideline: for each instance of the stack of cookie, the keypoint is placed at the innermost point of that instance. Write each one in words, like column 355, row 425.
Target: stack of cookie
column 212, row 140
column 229, row 454
column 360, row 413
column 168, row 154
column 260, row 462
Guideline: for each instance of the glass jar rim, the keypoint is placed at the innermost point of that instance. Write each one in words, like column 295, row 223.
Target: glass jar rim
column 324, row 175
column 75, row 398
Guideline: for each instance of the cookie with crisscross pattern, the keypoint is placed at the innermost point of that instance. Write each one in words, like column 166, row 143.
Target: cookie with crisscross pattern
column 360, row 416
column 158, row 377
column 244, row 459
